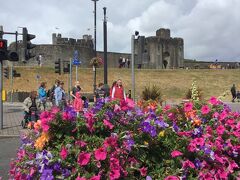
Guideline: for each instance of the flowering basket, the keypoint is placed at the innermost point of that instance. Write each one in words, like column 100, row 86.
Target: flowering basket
column 115, row 140
column 96, row 61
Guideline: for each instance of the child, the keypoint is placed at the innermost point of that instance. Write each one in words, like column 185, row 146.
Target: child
column 238, row 96
column 78, row 103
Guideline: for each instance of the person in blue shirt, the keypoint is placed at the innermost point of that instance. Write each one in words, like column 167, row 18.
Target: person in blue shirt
column 59, row 94
column 42, row 94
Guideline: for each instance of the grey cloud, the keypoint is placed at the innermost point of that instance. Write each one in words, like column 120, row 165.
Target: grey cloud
column 209, row 27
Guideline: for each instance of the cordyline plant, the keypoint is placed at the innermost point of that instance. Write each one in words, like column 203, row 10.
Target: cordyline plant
column 117, row 140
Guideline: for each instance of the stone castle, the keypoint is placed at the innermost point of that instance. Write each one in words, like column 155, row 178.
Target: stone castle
column 160, row 51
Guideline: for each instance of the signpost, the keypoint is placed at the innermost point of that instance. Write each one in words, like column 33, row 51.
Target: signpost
column 76, row 62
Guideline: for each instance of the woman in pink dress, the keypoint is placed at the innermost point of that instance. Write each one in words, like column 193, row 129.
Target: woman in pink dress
column 78, row 103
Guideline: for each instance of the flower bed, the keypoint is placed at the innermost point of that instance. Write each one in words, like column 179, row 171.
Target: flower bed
column 115, row 140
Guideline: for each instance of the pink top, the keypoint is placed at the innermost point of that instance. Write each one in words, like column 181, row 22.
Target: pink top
column 78, row 102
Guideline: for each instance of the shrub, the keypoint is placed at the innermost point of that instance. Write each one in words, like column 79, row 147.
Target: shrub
column 152, row 93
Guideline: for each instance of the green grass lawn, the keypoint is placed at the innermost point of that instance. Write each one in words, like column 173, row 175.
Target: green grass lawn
column 173, row 83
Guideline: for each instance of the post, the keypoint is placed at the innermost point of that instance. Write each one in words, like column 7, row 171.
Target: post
column 1, row 89
column 94, row 79
column 76, row 72
column 70, row 77
column 95, row 27
column 16, row 45
column 105, row 46
column 11, row 74
column 133, row 73
column 1, row 84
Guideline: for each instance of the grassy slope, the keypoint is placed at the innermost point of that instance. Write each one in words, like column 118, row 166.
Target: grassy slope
column 174, row 83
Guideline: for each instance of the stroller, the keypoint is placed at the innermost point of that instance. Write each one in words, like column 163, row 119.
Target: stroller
column 31, row 116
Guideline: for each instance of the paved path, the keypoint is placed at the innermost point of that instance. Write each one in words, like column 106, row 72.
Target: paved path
column 12, row 116
column 8, row 150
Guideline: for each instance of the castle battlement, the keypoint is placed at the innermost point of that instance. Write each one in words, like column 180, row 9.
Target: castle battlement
column 86, row 41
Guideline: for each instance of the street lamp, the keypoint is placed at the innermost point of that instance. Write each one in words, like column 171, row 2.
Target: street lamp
column 95, row 43
column 133, row 62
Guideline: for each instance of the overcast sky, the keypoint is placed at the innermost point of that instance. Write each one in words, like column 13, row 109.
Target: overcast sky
column 210, row 28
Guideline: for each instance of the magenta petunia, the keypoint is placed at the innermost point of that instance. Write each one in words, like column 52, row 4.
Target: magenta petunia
column 64, row 153
column 213, row 101
column 176, row 153
column 188, row 106
column 220, row 130
column 143, row 171
column 83, row 158
column 172, row 178
column 108, row 124
column 205, row 109
column 98, row 177
column 100, row 154
column 188, row 164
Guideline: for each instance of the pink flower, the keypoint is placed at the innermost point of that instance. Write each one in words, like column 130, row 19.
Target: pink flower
column 220, row 130
column 117, row 108
column 176, row 153
column 191, row 147
column 90, row 121
column 110, row 141
column 98, row 177
column 80, row 143
column 199, row 141
column 222, row 174
column 64, row 153
column 213, row 101
column 143, row 171
column 81, row 178
column 172, row 178
column 114, row 174
column 188, row 106
column 185, row 133
column 187, row 164
column 205, row 109
column 108, row 124
column 215, row 115
column 83, row 158
column 100, row 154
column 32, row 171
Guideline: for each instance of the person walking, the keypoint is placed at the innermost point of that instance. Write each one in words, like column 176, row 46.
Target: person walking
column 78, row 103
column 128, row 63
column 75, row 89
column 59, row 94
column 233, row 92
column 42, row 94
column 118, row 91
column 51, row 91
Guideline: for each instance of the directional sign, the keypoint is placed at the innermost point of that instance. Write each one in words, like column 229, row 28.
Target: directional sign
column 76, row 61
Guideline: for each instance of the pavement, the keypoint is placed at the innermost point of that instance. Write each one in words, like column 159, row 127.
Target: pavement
column 8, row 150
column 12, row 116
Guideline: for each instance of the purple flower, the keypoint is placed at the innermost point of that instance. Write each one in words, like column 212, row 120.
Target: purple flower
column 148, row 178
column 47, row 174
column 161, row 123
column 197, row 132
column 57, row 167
column 153, row 131
column 70, row 113
column 66, row 173
column 197, row 163
column 175, row 127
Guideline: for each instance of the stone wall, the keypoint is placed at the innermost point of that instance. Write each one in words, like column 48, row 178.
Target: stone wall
column 160, row 51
